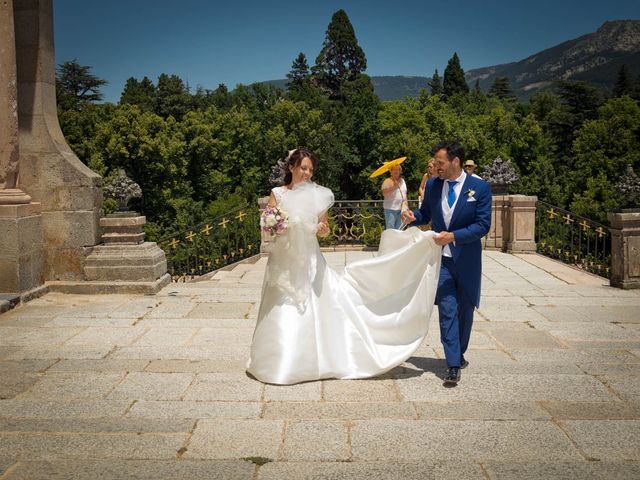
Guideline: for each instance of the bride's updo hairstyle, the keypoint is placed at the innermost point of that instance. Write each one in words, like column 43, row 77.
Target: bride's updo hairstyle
column 281, row 174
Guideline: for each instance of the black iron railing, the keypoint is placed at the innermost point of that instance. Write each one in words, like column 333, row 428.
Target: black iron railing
column 236, row 235
column 357, row 222
column 213, row 244
column 573, row 239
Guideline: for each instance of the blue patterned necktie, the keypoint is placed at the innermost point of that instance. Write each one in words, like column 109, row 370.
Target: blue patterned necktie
column 451, row 194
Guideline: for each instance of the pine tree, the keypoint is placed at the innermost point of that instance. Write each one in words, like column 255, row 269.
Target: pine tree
column 454, row 81
column 172, row 97
column 76, row 87
column 501, row 89
column 436, row 84
column 141, row 93
column 341, row 58
column 624, row 83
column 476, row 87
column 299, row 73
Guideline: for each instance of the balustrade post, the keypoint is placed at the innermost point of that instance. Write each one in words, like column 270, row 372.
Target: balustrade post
column 265, row 238
column 625, row 249
column 497, row 237
column 522, row 224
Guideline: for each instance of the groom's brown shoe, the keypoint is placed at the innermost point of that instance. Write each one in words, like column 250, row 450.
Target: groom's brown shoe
column 452, row 377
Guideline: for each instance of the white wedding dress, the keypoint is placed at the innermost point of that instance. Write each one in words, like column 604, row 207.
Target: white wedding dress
column 316, row 323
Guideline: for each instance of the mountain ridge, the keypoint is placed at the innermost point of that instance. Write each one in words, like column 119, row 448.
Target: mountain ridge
column 594, row 57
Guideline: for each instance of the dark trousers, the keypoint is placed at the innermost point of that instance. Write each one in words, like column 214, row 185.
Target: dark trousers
column 456, row 313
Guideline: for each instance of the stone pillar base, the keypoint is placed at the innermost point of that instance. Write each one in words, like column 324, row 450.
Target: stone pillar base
column 20, row 247
column 107, row 288
column 13, row 196
column 129, row 263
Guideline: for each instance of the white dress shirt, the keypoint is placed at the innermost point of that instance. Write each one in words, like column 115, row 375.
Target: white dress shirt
column 447, row 211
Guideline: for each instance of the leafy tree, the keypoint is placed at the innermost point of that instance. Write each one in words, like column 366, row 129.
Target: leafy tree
column 624, row 82
column 341, row 58
column 436, row 84
column 141, row 93
column 454, row 81
column 299, row 73
column 501, row 89
column 76, row 86
column 603, row 148
column 172, row 97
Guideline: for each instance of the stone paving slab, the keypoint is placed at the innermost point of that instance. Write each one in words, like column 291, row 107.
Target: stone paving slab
column 15, row 366
column 233, row 439
column 606, row 470
column 97, row 425
column 45, row 446
column 613, row 410
column 195, row 409
column 471, row 440
column 73, row 385
column 196, row 366
column 15, row 383
column 481, row 410
column 101, row 365
column 371, row 470
column 92, row 469
column 74, row 408
column 225, row 386
column 152, row 386
column 338, row 410
column 606, row 439
column 316, row 440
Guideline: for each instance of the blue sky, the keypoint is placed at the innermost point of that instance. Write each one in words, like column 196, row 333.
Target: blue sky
column 211, row 42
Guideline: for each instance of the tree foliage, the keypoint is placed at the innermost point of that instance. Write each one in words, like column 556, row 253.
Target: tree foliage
column 76, row 86
column 201, row 153
column 454, row 81
column 341, row 59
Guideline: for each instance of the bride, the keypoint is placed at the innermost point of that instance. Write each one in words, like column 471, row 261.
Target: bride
column 316, row 323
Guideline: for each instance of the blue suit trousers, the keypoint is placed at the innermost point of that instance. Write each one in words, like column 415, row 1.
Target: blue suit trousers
column 456, row 313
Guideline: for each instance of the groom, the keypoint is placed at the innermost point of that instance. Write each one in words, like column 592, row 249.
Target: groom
column 459, row 208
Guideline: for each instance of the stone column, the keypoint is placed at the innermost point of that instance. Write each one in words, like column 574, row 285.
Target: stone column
column 20, row 220
column 625, row 249
column 10, row 194
column 69, row 191
column 522, row 224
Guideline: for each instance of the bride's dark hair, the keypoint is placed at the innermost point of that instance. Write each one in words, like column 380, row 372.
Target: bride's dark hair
column 281, row 174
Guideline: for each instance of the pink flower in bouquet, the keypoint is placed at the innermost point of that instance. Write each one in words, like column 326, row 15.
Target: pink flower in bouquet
column 273, row 221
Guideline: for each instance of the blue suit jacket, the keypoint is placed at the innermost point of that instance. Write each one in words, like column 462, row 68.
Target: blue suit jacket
column 470, row 222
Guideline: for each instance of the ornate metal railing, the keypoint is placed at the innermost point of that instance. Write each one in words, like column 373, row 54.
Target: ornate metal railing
column 573, row 239
column 235, row 236
column 213, row 244
column 357, row 222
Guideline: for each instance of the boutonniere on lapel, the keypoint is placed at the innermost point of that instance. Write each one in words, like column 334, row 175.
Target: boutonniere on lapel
column 470, row 195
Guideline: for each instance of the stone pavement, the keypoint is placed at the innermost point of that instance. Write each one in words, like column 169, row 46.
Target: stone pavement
column 126, row 386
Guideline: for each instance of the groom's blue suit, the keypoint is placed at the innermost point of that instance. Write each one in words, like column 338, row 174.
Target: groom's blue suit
column 459, row 283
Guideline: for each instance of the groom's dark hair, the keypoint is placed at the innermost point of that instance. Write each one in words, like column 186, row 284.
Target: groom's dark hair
column 454, row 149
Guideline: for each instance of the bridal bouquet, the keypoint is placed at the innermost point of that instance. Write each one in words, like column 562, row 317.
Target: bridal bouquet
column 273, row 221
